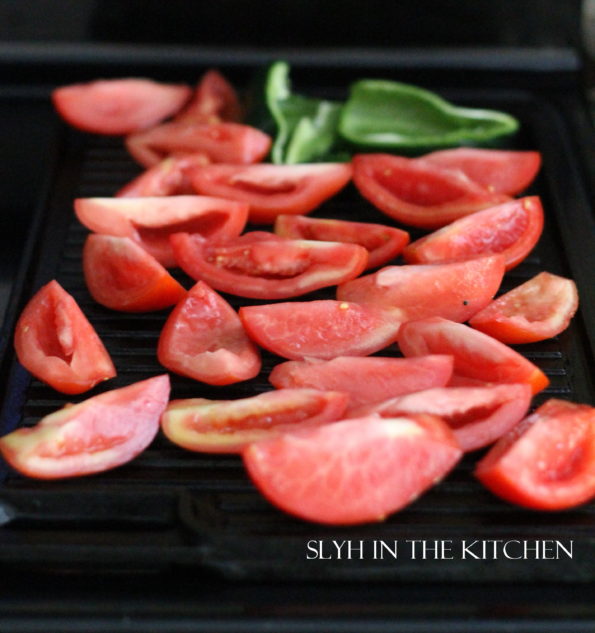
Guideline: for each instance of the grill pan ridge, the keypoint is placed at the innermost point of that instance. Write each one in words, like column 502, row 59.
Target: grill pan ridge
column 172, row 508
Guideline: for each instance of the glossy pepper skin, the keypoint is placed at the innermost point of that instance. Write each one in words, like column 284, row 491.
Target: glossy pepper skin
column 393, row 115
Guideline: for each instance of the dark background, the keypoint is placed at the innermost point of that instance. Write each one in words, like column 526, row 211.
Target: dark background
column 296, row 23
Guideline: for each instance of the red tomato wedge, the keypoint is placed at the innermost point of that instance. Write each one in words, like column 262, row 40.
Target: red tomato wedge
column 271, row 190
column 98, row 434
column 354, row 471
column 262, row 265
column 383, row 243
column 150, row 221
column 499, row 171
column 366, row 379
column 534, row 311
column 454, row 291
column 319, row 329
column 228, row 426
column 547, row 462
column 477, row 356
column 512, row 229
column 419, row 193
column 214, row 100
column 121, row 275
column 478, row 416
column 170, row 177
column 57, row 344
column 220, row 142
column 203, row 339
column 119, row 106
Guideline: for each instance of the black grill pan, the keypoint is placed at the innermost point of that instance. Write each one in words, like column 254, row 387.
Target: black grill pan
column 172, row 509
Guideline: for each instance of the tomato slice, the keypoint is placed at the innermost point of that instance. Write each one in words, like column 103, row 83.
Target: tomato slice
column 454, row 291
column 150, row 221
column 319, row 329
column 368, row 379
column 512, row 228
column 203, row 339
column 547, row 462
column 98, row 434
column 214, row 101
column 534, row 311
column 271, row 190
column 500, row 171
column 118, row 106
column 121, row 275
column 477, row 356
column 478, row 416
column 57, row 344
column 419, row 193
column 228, row 426
column 221, row 142
column 383, row 243
column 170, row 177
column 354, row 471
column 262, row 265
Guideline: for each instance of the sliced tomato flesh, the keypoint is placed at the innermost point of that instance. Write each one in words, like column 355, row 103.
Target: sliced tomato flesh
column 500, row 171
column 353, row 471
column 203, row 339
column 119, row 106
column 547, row 462
column 261, row 265
column 228, row 426
column 271, row 190
column 98, row 434
column 221, row 142
column 478, row 416
column 477, row 356
column 539, row 309
column 512, row 229
column 383, row 243
column 151, row 220
column 366, row 379
column 121, row 275
column 419, row 193
column 455, row 291
column 319, row 329
column 56, row 343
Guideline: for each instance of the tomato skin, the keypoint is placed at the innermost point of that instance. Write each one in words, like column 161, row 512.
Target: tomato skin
column 214, row 101
column 261, row 265
column 118, row 106
column 383, row 243
column 366, row 379
column 228, row 426
column 478, row 416
column 534, row 311
column 121, row 275
column 455, row 291
column 151, row 220
column 500, row 171
column 221, row 142
column 170, row 177
column 100, row 433
column 512, row 229
column 418, row 193
column 271, row 190
column 319, row 329
column 353, row 471
column 547, row 462
column 203, row 339
column 477, row 356
column 56, row 343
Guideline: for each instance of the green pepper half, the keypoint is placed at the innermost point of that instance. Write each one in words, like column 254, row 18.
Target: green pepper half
column 393, row 115
column 306, row 127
